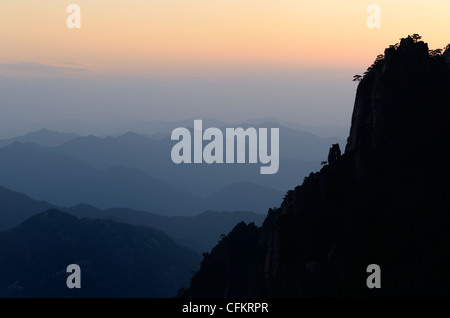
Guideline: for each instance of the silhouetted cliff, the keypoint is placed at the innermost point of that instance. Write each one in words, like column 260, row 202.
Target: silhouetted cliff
column 385, row 201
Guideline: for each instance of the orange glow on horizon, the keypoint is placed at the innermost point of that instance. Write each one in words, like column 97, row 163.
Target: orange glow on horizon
column 136, row 37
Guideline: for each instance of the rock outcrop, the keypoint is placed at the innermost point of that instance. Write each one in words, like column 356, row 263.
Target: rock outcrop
column 385, row 201
column 334, row 154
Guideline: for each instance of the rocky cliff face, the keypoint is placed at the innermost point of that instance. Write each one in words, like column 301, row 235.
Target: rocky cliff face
column 384, row 201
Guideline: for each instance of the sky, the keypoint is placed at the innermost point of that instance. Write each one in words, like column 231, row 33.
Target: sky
column 177, row 59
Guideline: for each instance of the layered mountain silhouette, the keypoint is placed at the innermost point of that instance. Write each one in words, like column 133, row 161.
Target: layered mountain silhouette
column 384, row 201
column 135, row 171
column 199, row 232
column 116, row 260
column 159, row 128
column 16, row 207
column 99, row 180
column 66, row 181
column 152, row 155
column 42, row 137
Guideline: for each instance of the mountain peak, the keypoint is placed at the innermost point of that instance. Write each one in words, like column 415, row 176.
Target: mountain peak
column 117, row 260
column 51, row 217
column 401, row 90
column 43, row 137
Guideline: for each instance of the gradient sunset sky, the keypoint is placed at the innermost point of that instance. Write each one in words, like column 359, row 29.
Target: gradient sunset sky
column 176, row 38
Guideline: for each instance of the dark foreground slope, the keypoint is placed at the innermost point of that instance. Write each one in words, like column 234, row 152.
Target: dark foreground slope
column 385, row 201
column 116, row 260
column 200, row 232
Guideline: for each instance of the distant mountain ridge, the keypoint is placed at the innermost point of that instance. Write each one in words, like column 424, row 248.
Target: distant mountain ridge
column 300, row 153
column 16, row 207
column 65, row 181
column 144, row 127
column 42, row 137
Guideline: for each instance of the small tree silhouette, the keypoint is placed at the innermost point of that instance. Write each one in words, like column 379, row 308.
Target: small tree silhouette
column 416, row 37
column 434, row 53
column 447, row 47
column 378, row 60
column 357, row 78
